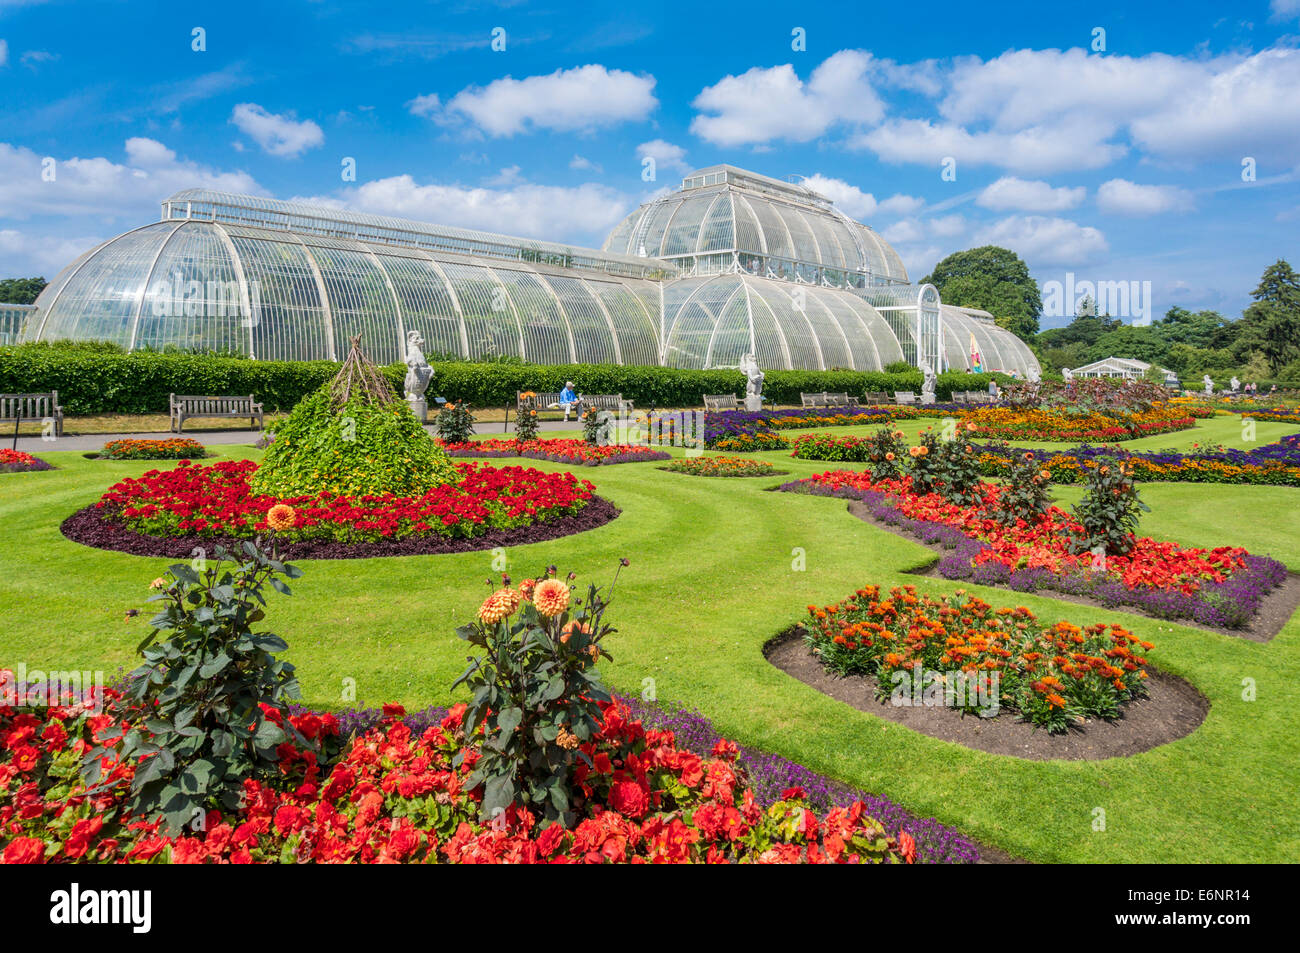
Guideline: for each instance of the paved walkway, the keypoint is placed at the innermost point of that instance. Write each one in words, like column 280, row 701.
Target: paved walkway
column 85, row 443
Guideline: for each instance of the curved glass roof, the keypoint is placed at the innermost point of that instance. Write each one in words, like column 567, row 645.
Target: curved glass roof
column 966, row 330
column 714, row 321
column 278, row 295
column 797, row 233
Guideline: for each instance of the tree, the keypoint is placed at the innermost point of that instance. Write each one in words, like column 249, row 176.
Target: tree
column 992, row 279
column 1271, row 326
column 1199, row 328
column 20, row 290
column 1139, row 343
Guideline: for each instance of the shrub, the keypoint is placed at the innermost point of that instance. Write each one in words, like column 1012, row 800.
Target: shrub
column 1108, row 514
column 596, row 426
column 526, row 421
column 207, row 706
column 536, row 693
column 454, row 423
column 1025, row 496
column 924, row 464
column 954, row 470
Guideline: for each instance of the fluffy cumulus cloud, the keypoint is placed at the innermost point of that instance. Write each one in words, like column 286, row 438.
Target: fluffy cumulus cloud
column 855, row 203
column 1010, row 194
column 102, row 187
column 1285, row 9
column 1046, row 240
column 31, row 253
column 1122, row 197
column 568, row 100
column 1042, row 111
column 548, row 212
column 278, row 134
column 428, row 105
column 766, row 104
column 4, row 52
column 666, row 155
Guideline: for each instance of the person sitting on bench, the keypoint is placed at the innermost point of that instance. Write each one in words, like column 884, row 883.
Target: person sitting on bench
column 569, row 399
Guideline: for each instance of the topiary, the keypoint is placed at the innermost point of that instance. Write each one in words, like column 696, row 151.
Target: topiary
column 353, row 437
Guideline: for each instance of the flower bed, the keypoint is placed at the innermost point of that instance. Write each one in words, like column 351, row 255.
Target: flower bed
column 176, row 448
column 1222, row 587
column 216, row 501
column 16, row 461
column 1276, row 464
column 394, row 796
column 557, row 451
column 722, row 467
column 1000, row 423
column 977, row 658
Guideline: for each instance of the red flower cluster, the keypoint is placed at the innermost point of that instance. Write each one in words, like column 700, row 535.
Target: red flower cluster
column 176, row 448
column 15, row 461
column 559, row 451
column 217, row 500
column 392, row 797
column 1151, row 563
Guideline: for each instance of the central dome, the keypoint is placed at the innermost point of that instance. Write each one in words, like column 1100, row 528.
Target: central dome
column 727, row 219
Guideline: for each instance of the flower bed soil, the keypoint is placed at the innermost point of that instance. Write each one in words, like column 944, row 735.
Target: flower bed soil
column 1171, row 709
column 1275, row 609
column 89, row 527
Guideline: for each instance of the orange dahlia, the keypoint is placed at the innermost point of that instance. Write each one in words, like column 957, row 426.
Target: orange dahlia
column 551, row 597
column 499, row 605
column 281, row 517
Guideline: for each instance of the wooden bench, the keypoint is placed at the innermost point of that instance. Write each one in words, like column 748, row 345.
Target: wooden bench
column 877, row 397
column 551, row 401
column 721, row 402
column 185, row 406
column 904, row 397
column 840, row 400
column 813, row 400
column 18, row 407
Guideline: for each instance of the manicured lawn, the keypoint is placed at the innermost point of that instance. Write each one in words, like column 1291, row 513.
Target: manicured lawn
column 712, row 577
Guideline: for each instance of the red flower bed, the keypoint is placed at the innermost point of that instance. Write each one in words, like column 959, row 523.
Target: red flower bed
column 1150, row 564
column 16, row 461
column 217, row 501
column 393, row 797
column 558, row 451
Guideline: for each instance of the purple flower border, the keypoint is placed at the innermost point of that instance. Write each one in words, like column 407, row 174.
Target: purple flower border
column 1230, row 604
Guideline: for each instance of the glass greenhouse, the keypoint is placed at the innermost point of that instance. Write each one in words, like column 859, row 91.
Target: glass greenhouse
column 731, row 263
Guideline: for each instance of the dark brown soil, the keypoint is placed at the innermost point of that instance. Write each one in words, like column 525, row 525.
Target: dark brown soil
column 89, row 527
column 1275, row 610
column 1171, row 710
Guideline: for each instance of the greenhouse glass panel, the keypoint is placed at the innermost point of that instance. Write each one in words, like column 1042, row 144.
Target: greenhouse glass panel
column 360, row 301
column 863, row 354
column 749, row 237
column 289, row 320
column 776, row 237
column 547, row 338
column 652, row 229
column 731, row 339
column 638, row 332
column 591, row 333
column 795, row 329
column 801, row 236
column 491, row 324
column 832, row 343
column 769, row 343
column 427, row 304
column 683, row 232
column 194, row 300
column 718, row 231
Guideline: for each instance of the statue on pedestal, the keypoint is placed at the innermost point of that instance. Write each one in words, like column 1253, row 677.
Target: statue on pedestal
column 418, row 375
column 927, row 383
column 1209, row 385
column 1236, row 384
column 753, row 382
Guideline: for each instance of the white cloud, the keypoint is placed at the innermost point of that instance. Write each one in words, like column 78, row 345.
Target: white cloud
column 1036, row 150
column 855, row 203
column 100, row 186
column 537, row 211
column 277, row 134
column 947, row 226
column 666, row 154
column 1040, row 240
column 583, row 164
column 427, row 105
column 1122, row 197
column 1023, row 195
column 766, row 104
column 37, row 56
column 4, row 52
column 1284, row 9
column 578, row 99
column 30, row 254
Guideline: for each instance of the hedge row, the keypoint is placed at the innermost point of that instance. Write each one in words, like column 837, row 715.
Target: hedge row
column 99, row 382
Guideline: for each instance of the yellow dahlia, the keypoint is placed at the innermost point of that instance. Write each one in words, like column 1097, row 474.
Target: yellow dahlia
column 551, row 597
column 499, row 605
column 281, row 517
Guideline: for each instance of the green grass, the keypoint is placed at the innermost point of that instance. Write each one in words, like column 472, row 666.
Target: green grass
column 712, row 577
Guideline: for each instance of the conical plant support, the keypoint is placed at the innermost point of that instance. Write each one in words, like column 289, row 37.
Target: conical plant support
column 359, row 377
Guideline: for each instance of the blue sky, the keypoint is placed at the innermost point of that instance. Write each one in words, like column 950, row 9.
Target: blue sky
column 1123, row 163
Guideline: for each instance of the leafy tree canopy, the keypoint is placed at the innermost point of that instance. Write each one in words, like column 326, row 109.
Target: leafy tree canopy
column 20, row 290
column 992, row 279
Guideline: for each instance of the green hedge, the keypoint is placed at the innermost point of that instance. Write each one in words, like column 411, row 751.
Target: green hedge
column 101, row 382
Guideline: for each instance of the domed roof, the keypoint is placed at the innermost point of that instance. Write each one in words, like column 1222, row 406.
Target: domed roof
column 776, row 228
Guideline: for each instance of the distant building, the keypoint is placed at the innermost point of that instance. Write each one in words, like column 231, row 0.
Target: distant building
column 1125, row 367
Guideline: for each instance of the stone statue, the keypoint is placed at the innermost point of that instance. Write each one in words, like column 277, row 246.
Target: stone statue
column 753, row 382
column 1209, row 385
column 1236, row 384
column 418, row 375
column 1067, row 373
column 1033, row 375
column 927, row 384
